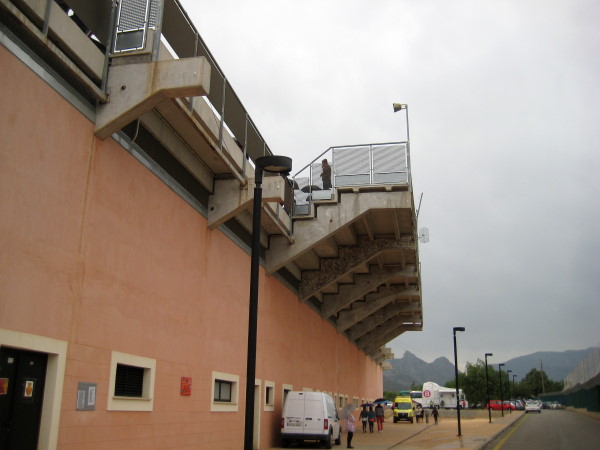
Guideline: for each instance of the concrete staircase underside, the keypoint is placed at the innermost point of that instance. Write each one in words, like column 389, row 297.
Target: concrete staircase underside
column 356, row 262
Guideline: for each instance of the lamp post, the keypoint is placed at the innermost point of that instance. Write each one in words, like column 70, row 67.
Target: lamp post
column 514, row 388
column 399, row 107
column 487, row 386
column 501, row 397
column 275, row 164
column 508, row 372
column 454, row 330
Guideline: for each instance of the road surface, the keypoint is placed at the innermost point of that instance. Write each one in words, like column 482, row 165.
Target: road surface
column 550, row 430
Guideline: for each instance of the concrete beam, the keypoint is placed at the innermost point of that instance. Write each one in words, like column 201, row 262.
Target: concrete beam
column 363, row 284
column 374, row 302
column 308, row 233
column 349, row 258
column 382, row 353
column 382, row 315
column 172, row 142
column 382, row 336
column 137, row 88
column 229, row 198
column 375, row 336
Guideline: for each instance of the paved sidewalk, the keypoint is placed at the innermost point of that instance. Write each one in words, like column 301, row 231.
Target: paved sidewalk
column 476, row 432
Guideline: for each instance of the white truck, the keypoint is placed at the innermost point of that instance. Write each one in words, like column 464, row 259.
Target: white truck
column 442, row 397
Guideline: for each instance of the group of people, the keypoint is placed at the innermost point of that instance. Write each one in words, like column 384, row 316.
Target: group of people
column 366, row 417
column 421, row 413
column 371, row 416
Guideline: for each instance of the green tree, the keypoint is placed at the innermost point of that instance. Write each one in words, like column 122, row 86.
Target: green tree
column 536, row 382
column 473, row 382
column 390, row 395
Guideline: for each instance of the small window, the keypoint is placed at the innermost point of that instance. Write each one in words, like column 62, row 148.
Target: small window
column 223, row 391
column 129, row 381
column 225, row 388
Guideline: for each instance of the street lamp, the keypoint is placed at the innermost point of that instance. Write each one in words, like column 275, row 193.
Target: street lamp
column 454, row 330
column 514, row 388
column 508, row 372
column 487, row 386
column 275, row 164
column 399, row 107
column 501, row 397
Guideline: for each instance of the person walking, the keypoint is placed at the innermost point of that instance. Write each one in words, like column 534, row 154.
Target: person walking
column 350, row 429
column 379, row 415
column 364, row 418
column 435, row 413
column 419, row 412
column 371, row 417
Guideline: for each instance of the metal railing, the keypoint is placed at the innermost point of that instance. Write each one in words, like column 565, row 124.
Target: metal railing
column 350, row 166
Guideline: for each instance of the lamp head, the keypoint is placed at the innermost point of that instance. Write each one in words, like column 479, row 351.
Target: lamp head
column 399, row 106
column 455, row 329
column 508, row 371
column 500, row 365
column 275, row 164
column 489, row 354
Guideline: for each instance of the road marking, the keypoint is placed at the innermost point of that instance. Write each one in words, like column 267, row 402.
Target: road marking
column 505, row 438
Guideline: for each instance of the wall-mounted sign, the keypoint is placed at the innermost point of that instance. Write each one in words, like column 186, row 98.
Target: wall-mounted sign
column 3, row 386
column 186, row 386
column 86, row 397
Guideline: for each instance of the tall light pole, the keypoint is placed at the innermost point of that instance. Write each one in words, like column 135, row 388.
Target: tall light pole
column 283, row 166
column 399, row 107
column 501, row 397
column 487, row 386
column 454, row 330
column 514, row 388
column 508, row 372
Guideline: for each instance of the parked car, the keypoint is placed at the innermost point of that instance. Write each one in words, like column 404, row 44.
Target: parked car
column 495, row 405
column 533, row 406
column 310, row 416
column 520, row 405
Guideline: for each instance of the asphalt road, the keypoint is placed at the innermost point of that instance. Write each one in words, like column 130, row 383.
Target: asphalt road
column 552, row 429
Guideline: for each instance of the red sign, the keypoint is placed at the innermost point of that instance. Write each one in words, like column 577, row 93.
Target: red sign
column 426, row 394
column 186, row 386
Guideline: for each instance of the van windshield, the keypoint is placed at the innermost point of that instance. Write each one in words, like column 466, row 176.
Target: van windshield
column 403, row 405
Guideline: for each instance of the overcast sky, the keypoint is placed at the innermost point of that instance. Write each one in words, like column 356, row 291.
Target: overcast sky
column 505, row 136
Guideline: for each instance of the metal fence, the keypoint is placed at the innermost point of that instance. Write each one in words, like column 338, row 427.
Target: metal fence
column 350, row 166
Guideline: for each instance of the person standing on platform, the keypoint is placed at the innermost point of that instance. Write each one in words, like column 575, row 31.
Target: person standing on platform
column 326, row 174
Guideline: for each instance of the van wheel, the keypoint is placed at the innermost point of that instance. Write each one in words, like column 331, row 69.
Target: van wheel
column 285, row 443
column 329, row 441
column 395, row 419
column 338, row 441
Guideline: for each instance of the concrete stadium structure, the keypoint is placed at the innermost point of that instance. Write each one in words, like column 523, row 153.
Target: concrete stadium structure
column 126, row 177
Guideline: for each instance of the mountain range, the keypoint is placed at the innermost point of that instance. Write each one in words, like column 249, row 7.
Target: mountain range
column 410, row 369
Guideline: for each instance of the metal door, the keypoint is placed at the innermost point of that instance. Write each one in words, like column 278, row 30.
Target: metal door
column 22, row 379
column 313, row 416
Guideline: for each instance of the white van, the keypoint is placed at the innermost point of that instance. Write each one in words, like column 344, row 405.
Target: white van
column 310, row 416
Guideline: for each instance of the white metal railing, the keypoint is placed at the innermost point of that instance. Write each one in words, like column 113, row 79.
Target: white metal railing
column 347, row 166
